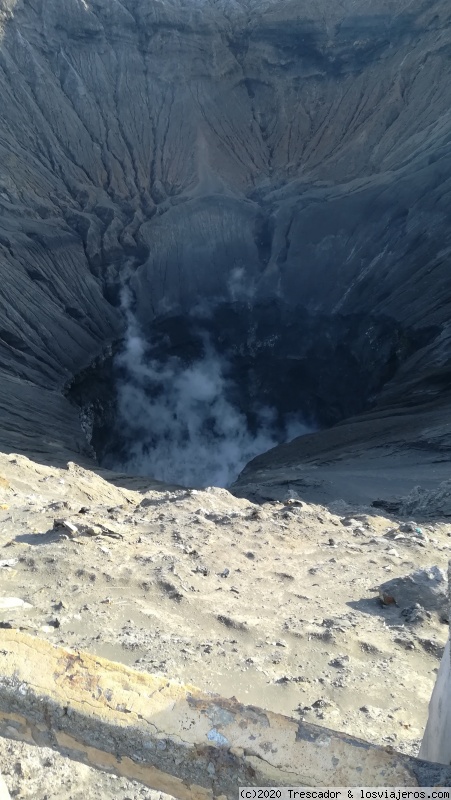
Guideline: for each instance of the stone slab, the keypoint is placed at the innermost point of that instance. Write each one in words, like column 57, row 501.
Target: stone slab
column 173, row 737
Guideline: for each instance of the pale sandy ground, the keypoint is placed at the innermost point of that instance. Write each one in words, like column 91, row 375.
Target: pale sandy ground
column 274, row 604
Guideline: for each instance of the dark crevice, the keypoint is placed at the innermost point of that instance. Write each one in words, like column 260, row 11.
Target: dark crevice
column 264, row 233
column 14, row 341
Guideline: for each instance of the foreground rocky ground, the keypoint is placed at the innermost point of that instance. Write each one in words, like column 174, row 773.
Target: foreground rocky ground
column 278, row 604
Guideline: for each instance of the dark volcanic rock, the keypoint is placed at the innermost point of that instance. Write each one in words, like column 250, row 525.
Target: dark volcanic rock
column 175, row 142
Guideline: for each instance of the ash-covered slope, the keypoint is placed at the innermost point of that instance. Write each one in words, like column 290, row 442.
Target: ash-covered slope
column 174, row 141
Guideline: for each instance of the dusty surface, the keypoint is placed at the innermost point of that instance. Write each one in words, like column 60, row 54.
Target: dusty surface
column 275, row 604
column 37, row 772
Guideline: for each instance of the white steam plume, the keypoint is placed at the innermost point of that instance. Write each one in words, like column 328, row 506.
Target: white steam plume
column 177, row 420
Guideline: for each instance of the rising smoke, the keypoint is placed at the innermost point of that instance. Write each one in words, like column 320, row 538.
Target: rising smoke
column 179, row 421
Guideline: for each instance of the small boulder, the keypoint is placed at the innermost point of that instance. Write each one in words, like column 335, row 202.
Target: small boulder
column 426, row 587
column 66, row 525
column 13, row 602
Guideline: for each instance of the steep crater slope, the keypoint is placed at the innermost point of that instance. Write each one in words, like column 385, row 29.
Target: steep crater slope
column 170, row 144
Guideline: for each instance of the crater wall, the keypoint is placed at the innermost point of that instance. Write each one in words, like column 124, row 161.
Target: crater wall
column 174, row 142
